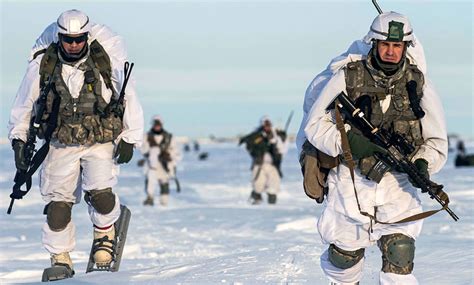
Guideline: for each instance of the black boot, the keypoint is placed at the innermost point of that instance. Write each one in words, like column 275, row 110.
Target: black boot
column 148, row 201
column 272, row 198
column 255, row 198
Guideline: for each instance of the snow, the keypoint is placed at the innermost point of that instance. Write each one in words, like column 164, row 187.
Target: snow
column 209, row 234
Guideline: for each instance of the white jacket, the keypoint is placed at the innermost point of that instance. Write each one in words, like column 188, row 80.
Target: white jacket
column 28, row 92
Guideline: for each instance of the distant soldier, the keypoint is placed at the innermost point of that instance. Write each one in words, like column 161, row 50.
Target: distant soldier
column 266, row 146
column 161, row 156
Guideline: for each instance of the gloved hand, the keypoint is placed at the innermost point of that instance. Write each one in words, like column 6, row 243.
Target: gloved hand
column 19, row 149
column 124, row 152
column 422, row 166
column 282, row 134
column 361, row 146
column 141, row 162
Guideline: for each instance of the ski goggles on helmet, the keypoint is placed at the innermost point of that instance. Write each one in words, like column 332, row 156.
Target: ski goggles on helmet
column 69, row 40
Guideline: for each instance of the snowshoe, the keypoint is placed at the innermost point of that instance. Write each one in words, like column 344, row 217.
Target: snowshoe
column 57, row 272
column 115, row 246
column 61, row 268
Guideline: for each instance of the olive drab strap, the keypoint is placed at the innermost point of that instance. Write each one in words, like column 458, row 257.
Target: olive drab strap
column 347, row 154
column 48, row 64
column 102, row 62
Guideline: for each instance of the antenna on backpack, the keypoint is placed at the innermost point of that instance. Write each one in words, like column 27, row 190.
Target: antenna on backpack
column 377, row 6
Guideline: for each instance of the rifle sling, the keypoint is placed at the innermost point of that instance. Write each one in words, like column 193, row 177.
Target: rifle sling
column 347, row 154
column 42, row 152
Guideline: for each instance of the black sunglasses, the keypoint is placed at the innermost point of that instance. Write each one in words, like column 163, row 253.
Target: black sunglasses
column 69, row 40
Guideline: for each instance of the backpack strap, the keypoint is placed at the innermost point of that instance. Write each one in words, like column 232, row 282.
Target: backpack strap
column 102, row 62
column 48, row 63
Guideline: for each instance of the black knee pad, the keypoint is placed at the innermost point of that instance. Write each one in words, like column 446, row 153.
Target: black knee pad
column 164, row 188
column 272, row 198
column 398, row 253
column 344, row 258
column 102, row 200
column 58, row 215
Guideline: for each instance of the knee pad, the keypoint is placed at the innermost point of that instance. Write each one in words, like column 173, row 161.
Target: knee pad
column 102, row 200
column 58, row 215
column 272, row 198
column 344, row 259
column 164, row 188
column 398, row 253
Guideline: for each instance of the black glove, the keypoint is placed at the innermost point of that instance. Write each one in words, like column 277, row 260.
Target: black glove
column 124, row 152
column 361, row 146
column 19, row 149
column 282, row 134
column 422, row 166
column 141, row 162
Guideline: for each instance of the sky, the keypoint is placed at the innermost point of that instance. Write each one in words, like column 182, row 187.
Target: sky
column 216, row 67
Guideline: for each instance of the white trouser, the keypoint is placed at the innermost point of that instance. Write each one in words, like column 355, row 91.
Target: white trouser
column 342, row 224
column 265, row 178
column 67, row 170
column 156, row 176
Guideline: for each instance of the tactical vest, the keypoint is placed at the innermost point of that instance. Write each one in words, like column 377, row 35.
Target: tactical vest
column 399, row 118
column 165, row 142
column 80, row 120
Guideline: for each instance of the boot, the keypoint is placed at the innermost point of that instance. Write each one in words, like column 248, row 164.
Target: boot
column 164, row 199
column 148, row 201
column 61, row 259
column 255, row 198
column 272, row 198
column 103, row 246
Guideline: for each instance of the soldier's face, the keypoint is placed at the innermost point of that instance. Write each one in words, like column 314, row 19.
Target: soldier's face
column 267, row 126
column 73, row 44
column 157, row 127
column 390, row 51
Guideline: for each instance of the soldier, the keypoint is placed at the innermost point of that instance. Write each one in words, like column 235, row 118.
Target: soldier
column 266, row 146
column 362, row 211
column 161, row 156
column 82, row 77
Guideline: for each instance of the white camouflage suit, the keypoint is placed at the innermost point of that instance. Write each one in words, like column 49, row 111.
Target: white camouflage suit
column 341, row 223
column 69, row 169
column 154, row 170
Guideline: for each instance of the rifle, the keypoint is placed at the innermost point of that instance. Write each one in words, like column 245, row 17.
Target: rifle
column 398, row 150
column 34, row 160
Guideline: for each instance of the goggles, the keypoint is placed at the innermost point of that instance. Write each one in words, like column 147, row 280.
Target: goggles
column 69, row 40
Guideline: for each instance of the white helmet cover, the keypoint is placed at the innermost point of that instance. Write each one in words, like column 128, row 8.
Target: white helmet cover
column 156, row 118
column 73, row 22
column 391, row 26
column 264, row 119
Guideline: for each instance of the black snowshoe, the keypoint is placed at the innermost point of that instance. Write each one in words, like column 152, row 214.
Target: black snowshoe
column 121, row 228
column 57, row 272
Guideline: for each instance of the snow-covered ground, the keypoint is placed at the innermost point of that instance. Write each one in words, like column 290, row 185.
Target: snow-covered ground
column 209, row 234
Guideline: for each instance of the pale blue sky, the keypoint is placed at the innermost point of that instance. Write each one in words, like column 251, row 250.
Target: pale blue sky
column 215, row 67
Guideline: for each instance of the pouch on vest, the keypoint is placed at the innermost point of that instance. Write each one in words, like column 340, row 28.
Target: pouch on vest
column 315, row 166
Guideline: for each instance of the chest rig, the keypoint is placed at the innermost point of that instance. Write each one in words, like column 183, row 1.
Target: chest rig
column 368, row 87
column 81, row 120
column 164, row 143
